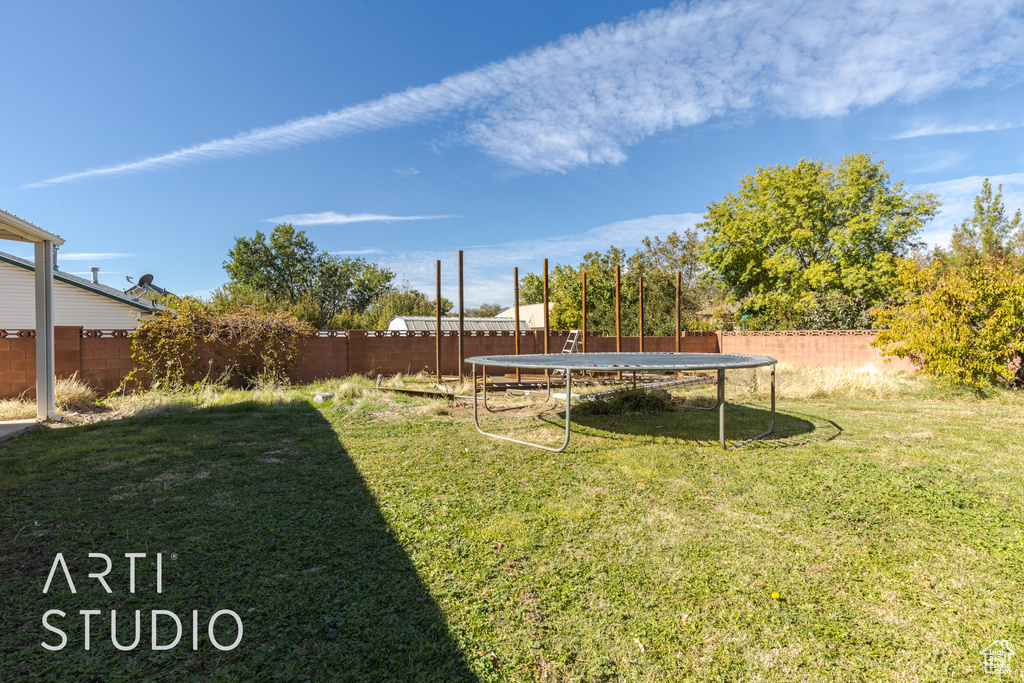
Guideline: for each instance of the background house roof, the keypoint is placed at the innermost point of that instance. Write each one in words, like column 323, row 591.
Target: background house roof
column 82, row 283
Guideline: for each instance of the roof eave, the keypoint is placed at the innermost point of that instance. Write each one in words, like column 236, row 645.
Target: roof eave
column 18, row 229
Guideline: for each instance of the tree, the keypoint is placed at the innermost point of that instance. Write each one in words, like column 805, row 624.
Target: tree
column 288, row 270
column 988, row 235
column 794, row 233
column 960, row 313
column 485, row 310
column 965, row 325
column 400, row 301
column 657, row 261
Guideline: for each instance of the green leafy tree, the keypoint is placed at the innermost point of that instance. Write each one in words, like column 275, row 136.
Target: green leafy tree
column 485, row 310
column 791, row 234
column 959, row 313
column 401, row 301
column 965, row 325
column 988, row 235
column 657, row 261
column 531, row 289
column 287, row 270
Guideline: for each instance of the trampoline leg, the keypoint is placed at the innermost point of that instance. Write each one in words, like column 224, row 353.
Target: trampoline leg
column 721, row 407
column 771, row 425
column 568, row 403
column 500, row 410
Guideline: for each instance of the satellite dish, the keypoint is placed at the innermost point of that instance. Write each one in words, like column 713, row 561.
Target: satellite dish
column 145, row 281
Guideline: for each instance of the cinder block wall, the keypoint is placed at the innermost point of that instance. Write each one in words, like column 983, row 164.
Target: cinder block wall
column 813, row 348
column 103, row 357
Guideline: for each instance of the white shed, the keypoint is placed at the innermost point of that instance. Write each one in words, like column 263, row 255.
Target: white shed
column 428, row 323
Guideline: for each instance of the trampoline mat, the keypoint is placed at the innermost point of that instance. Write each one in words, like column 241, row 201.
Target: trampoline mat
column 655, row 361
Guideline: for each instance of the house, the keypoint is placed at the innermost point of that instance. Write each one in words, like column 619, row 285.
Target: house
column 531, row 314
column 451, row 324
column 77, row 301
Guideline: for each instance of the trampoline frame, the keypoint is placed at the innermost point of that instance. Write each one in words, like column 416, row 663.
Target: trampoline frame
column 550, row 362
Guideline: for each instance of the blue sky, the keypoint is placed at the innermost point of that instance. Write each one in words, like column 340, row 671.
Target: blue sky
column 151, row 135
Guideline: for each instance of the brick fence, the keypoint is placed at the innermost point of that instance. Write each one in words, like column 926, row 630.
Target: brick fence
column 102, row 358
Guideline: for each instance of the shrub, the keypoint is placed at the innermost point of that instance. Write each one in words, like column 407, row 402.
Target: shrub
column 622, row 402
column 193, row 342
column 966, row 325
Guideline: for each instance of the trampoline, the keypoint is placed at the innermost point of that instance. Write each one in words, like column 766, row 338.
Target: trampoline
column 624, row 362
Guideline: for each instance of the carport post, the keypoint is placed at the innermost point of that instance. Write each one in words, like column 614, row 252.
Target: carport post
column 45, row 409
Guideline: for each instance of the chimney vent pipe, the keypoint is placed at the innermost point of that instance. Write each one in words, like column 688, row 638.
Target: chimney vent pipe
column 95, row 274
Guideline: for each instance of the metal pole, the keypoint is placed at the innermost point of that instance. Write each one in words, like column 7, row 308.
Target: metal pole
column 515, row 276
column 584, row 311
column 721, row 407
column 641, row 313
column 462, row 348
column 45, row 364
column 547, row 373
column 545, row 305
column 437, row 329
column 618, row 313
column 679, row 346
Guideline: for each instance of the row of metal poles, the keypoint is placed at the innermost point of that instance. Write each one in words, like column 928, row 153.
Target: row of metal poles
column 583, row 331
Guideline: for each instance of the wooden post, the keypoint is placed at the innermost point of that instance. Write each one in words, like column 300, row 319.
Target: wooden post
column 515, row 276
column 618, row 311
column 584, row 331
column 437, row 330
column 462, row 348
column 679, row 346
column 545, row 305
column 641, row 279
column 618, row 314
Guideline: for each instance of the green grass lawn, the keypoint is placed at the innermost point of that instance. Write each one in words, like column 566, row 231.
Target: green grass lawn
column 381, row 538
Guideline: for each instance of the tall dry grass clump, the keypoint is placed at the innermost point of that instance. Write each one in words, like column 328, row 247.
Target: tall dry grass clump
column 71, row 394
column 843, row 382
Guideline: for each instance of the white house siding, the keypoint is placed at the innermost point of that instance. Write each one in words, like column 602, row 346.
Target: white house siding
column 71, row 305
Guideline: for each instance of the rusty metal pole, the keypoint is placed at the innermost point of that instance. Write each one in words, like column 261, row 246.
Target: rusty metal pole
column 584, row 312
column 679, row 346
column 641, row 279
column 462, row 348
column 618, row 313
column 515, row 276
column 437, row 329
column 547, row 373
column 545, row 305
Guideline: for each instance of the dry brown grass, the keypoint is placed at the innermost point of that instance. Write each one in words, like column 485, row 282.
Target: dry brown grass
column 71, row 394
column 802, row 382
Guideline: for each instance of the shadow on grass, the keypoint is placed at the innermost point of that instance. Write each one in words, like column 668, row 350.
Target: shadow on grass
column 255, row 508
column 686, row 424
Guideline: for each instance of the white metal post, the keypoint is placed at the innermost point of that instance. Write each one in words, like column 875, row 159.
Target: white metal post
column 45, row 408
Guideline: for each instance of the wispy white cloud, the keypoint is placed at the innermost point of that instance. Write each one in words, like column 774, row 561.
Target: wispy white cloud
column 585, row 98
column 332, row 218
column 929, row 130
column 940, row 162
column 91, row 256
column 957, row 198
column 487, row 268
column 359, row 252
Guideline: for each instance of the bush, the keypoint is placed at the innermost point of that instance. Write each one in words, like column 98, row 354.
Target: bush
column 194, row 343
column 966, row 325
column 623, row 402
